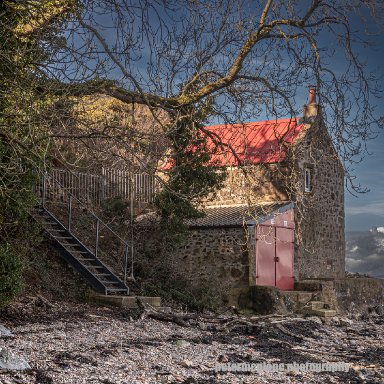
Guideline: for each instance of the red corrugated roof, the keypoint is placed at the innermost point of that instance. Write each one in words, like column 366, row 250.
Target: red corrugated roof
column 258, row 142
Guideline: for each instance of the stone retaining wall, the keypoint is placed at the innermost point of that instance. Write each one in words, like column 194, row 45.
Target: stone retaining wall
column 358, row 294
column 215, row 258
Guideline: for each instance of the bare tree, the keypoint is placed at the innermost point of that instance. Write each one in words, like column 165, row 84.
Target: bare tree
column 228, row 61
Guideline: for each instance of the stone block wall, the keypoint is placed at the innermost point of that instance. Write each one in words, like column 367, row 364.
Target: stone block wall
column 358, row 294
column 320, row 238
column 215, row 258
column 251, row 185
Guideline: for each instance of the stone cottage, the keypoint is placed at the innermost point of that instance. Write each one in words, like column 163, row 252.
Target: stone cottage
column 279, row 219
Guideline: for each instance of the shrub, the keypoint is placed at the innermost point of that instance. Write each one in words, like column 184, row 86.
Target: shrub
column 116, row 208
column 10, row 273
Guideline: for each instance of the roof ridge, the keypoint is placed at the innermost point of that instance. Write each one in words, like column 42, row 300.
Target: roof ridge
column 283, row 119
column 247, row 205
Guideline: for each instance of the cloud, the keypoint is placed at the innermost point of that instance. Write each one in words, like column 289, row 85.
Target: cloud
column 365, row 253
column 373, row 207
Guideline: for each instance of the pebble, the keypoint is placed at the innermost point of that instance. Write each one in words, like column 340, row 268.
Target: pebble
column 182, row 343
column 187, row 363
column 5, row 332
column 9, row 361
column 345, row 321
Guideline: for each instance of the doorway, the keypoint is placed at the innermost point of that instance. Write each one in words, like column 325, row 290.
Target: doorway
column 274, row 255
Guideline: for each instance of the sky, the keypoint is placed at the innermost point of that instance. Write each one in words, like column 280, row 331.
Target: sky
column 367, row 210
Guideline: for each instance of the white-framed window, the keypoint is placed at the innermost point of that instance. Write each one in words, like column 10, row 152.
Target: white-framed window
column 307, row 180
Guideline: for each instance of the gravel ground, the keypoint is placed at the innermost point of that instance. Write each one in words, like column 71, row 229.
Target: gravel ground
column 72, row 343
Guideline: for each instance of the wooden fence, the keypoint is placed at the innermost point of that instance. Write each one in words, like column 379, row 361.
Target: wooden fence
column 112, row 183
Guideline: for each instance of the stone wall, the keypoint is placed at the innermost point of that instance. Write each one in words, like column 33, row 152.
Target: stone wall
column 320, row 238
column 252, row 185
column 358, row 294
column 217, row 257
column 213, row 258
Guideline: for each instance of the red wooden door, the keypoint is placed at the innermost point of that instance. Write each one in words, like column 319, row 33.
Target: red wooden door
column 274, row 254
column 284, row 258
column 265, row 255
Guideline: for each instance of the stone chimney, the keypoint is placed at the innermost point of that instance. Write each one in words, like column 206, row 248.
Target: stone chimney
column 311, row 109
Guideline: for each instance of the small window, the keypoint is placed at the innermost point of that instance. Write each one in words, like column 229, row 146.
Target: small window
column 308, row 180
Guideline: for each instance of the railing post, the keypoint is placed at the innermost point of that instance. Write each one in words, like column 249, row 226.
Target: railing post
column 103, row 185
column 69, row 211
column 126, row 263
column 97, row 236
column 43, row 190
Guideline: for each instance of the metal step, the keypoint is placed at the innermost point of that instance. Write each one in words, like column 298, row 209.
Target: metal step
column 69, row 245
column 81, row 252
column 109, row 282
column 75, row 253
column 116, row 290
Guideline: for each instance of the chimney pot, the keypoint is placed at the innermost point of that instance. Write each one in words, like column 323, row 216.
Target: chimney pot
column 311, row 110
column 312, row 94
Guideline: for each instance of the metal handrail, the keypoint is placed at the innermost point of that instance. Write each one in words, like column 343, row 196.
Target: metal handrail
column 98, row 222
column 111, row 183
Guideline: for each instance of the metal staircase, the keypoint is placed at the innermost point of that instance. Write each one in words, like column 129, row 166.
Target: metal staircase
column 58, row 224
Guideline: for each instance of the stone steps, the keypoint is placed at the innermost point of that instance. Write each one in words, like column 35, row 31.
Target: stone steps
column 324, row 312
column 308, row 303
column 314, row 305
column 317, row 308
column 321, row 303
column 318, row 300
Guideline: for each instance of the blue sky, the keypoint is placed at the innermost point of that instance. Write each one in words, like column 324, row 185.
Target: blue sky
column 367, row 210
